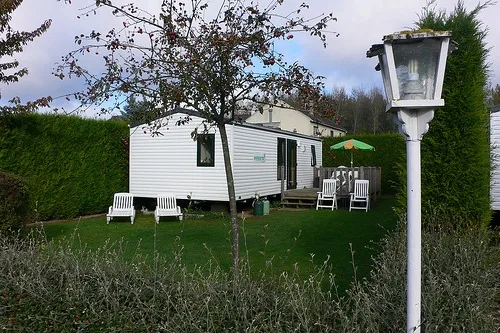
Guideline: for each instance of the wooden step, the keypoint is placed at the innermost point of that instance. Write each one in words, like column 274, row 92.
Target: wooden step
column 300, row 198
column 301, row 204
column 298, row 202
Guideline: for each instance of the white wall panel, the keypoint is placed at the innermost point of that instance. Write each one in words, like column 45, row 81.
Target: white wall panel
column 253, row 176
column 495, row 160
column 167, row 163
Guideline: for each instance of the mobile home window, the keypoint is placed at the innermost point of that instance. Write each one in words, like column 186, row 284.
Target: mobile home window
column 281, row 156
column 316, row 130
column 206, row 150
column 313, row 155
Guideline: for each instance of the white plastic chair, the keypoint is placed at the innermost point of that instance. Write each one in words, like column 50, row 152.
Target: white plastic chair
column 166, row 205
column 123, row 206
column 361, row 195
column 351, row 179
column 329, row 193
column 341, row 175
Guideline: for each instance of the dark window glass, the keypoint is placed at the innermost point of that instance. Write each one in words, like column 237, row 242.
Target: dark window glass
column 206, row 150
column 281, row 156
column 313, row 155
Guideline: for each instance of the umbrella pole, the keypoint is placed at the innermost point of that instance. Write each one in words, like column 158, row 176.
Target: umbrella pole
column 351, row 158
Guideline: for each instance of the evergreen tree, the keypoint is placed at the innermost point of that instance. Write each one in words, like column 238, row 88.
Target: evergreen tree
column 138, row 112
column 493, row 95
column 455, row 151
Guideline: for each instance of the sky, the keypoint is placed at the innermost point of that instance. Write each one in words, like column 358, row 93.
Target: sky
column 360, row 23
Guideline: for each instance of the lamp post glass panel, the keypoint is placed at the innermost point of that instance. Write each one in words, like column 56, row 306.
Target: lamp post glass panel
column 412, row 66
column 416, row 68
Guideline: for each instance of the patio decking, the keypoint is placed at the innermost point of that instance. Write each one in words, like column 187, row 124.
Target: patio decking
column 306, row 197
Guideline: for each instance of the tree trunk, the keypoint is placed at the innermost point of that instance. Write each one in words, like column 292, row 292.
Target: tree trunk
column 235, row 245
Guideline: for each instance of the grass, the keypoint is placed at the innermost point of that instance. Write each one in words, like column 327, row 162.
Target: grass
column 285, row 238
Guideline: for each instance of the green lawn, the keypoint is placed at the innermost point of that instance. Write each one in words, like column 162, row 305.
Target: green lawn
column 291, row 236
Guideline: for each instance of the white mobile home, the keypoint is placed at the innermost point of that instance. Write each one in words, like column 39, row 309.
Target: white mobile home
column 173, row 162
column 495, row 157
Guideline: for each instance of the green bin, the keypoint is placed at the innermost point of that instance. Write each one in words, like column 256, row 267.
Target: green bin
column 258, row 208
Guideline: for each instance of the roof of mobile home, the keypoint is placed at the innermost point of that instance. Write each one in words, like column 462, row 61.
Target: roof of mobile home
column 236, row 123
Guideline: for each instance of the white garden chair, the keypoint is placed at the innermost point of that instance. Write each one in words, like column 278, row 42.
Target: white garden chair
column 328, row 194
column 361, row 195
column 123, row 206
column 166, row 205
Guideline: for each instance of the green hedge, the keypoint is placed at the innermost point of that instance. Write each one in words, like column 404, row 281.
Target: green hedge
column 72, row 166
column 389, row 151
column 455, row 151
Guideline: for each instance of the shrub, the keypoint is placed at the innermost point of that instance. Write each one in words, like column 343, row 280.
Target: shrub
column 53, row 287
column 14, row 203
column 460, row 281
column 66, row 288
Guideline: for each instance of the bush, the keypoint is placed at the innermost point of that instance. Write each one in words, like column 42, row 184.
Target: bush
column 15, row 205
column 460, row 285
column 67, row 288
column 53, row 287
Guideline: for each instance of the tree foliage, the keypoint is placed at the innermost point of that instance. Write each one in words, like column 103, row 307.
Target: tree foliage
column 138, row 111
column 359, row 112
column 493, row 95
column 208, row 65
column 367, row 113
column 12, row 42
column 204, row 58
